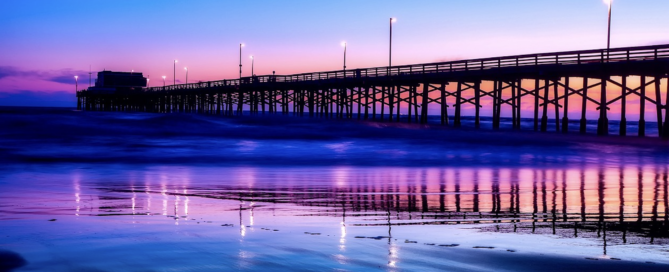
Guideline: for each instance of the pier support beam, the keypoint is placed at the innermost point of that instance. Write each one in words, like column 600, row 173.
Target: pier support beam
column 458, row 106
column 565, row 117
column 536, row 104
column 477, row 104
column 665, row 133
column 623, row 107
column 584, row 107
column 658, row 105
column 544, row 116
column 642, row 108
column 557, row 105
column 603, row 121
column 424, row 103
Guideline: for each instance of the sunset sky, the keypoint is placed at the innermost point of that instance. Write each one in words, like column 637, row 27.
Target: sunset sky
column 45, row 44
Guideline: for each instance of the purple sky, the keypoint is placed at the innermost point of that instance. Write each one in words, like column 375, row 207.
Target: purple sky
column 45, row 43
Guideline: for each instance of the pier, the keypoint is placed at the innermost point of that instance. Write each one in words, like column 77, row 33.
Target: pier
column 406, row 92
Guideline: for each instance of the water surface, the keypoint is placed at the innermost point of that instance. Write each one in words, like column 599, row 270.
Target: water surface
column 136, row 192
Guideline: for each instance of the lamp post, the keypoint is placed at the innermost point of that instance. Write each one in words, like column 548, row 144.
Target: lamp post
column 186, row 68
column 164, row 81
column 174, row 80
column 240, row 60
column 390, row 51
column 76, row 83
column 608, row 38
column 344, row 45
column 252, row 61
column 148, row 81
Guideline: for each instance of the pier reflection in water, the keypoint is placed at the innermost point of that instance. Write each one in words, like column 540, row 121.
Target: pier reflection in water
column 618, row 205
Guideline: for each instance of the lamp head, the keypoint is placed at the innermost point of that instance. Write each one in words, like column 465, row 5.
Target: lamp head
column 242, row 45
column 164, row 77
column 608, row 2
column 186, row 68
column 343, row 43
column 75, row 77
column 392, row 20
column 251, row 57
column 175, row 61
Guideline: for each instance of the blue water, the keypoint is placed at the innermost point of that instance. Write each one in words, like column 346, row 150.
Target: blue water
column 111, row 191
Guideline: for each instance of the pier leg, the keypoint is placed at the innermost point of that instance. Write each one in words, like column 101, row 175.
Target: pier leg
column 415, row 104
column 444, row 106
column 584, row 121
column 383, row 101
column 658, row 106
column 544, row 117
column 410, row 93
column 262, row 101
column 312, row 105
column 565, row 117
column 519, row 104
column 642, row 108
column 495, row 104
column 536, row 104
column 398, row 99
column 557, row 106
column 623, row 107
column 374, row 101
column 513, row 105
column 424, row 102
column 603, row 122
column 240, row 104
column 331, row 102
column 665, row 133
column 366, row 102
column 391, row 102
column 458, row 106
column 359, row 92
column 500, row 98
column 477, row 106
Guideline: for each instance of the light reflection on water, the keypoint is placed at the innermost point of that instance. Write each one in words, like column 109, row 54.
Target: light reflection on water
column 613, row 205
column 629, row 199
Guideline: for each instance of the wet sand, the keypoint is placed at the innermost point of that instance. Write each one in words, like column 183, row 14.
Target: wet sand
column 137, row 192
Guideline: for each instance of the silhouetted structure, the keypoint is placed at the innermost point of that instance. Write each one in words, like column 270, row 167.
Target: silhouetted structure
column 109, row 82
column 381, row 92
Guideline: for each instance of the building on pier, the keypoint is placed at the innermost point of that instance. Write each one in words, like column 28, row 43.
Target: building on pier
column 112, row 82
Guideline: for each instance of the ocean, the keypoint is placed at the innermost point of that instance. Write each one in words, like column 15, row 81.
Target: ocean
column 119, row 191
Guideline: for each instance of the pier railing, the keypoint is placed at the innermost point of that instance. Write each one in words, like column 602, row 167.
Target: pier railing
column 582, row 57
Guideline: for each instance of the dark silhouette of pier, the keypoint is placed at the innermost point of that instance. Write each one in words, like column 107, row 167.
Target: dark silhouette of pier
column 386, row 93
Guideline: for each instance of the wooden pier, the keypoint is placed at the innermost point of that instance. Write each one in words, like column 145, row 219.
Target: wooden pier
column 546, row 80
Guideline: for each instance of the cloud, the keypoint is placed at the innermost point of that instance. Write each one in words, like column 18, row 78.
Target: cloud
column 9, row 71
column 60, row 76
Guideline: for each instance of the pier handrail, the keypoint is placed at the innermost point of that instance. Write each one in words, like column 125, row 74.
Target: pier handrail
column 592, row 56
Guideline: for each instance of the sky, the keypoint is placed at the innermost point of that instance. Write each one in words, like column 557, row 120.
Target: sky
column 45, row 44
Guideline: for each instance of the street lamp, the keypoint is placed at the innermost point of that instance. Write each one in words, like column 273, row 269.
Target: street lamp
column 608, row 38
column 175, row 73
column 164, row 81
column 148, row 81
column 252, row 61
column 240, row 60
column 390, row 51
column 76, row 83
column 186, row 68
column 344, row 45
